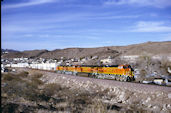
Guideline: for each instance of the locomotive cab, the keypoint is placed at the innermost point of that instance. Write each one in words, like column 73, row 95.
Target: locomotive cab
column 131, row 70
column 128, row 67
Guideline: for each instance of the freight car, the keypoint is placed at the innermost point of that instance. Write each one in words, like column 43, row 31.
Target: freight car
column 116, row 72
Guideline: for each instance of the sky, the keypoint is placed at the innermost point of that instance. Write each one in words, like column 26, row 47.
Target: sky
column 58, row 24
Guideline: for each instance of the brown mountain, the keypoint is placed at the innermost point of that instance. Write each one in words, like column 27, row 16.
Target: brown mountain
column 150, row 48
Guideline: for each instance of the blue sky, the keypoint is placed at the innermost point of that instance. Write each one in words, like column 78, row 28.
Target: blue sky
column 54, row 24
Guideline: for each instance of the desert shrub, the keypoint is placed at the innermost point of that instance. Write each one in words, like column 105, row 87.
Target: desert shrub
column 143, row 73
column 17, row 87
column 29, row 91
column 20, row 88
column 51, row 89
column 10, row 77
column 36, row 81
column 79, row 101
column 9, row 108
column 151, row 65
column 102, row 93
column 18, row 77
column 23, row 74
column 83, row 98
column 165, row 63
column 96, row 107
column 113, row 107
column 37, row 75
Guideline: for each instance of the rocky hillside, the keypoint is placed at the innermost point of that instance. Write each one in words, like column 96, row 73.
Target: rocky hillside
column 28, row 54
column 148, row 48
column 8, row 51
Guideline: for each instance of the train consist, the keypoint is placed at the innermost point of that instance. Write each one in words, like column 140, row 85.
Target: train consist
column 116, row 72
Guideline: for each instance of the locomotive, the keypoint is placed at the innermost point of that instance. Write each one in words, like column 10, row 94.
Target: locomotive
column 115, row 72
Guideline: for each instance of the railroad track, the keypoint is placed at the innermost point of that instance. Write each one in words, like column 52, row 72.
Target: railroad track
column 128, row 85
column 86, row 75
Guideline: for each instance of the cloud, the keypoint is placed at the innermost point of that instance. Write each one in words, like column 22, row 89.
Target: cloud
column 58, row 22
column 151, row 26
column 113, row 17
column 29, row 3
column 39, row 22
column 154, row 3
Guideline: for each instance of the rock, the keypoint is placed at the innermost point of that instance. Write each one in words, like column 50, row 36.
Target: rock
column 164, row 107
column 169, row 95
column 156, row 108
column 169, row 106
column 121, row 97
column 148, row 99
column 149, row 106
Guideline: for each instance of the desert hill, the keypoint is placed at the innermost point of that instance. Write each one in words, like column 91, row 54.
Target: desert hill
column 28, row 54
column 148, row 48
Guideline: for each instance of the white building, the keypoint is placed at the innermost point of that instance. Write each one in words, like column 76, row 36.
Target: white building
column 19, row 65
column 108, row 60
column 43, row 66
column 130, row 58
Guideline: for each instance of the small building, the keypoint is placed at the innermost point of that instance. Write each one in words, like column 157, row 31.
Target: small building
column 23, row 65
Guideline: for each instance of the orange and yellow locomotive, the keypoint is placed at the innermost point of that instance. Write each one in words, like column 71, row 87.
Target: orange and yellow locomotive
column 116, row 72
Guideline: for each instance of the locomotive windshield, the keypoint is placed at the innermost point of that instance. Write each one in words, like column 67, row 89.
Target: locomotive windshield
column 129, row 66
column 126, row 66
